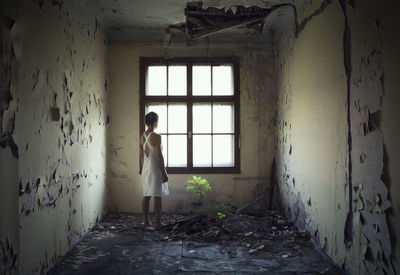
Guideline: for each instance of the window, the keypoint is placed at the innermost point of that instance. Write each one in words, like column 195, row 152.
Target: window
column 197, row 100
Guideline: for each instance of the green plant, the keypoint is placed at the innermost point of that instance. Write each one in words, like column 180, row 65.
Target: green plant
column 221, row 215
column 214, row 208
column 199, row 186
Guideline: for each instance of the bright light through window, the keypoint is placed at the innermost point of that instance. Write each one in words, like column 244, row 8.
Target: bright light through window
column 196, row 115
column 156, row 81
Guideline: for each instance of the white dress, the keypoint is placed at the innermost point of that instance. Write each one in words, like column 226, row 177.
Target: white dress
column 153, row 185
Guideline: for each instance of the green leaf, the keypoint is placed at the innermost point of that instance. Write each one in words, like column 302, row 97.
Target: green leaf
column 206, row 187
column 221, row 215
column 191, row 187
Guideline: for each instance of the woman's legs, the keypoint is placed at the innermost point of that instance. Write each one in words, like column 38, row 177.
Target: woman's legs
column 146, row 208
column 157, row 209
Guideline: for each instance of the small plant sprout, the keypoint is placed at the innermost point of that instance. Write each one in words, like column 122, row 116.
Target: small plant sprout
column 199, row 186
column 221, row 215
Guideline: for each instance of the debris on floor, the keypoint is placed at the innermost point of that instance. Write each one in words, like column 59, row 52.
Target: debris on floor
column 254, row 242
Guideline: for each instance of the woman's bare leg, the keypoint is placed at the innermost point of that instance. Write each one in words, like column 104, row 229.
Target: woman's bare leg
column 146, row 209
column 157, row 209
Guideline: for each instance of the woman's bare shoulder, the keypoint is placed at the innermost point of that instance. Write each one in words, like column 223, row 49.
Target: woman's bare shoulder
column 156, row 136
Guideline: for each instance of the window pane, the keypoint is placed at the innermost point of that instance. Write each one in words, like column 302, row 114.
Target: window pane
column 156, row 80
column 223, row 151
column 201, row 150
column 201, row 80
column 177, row 80
column 223, row 118
column 161, row 110
column 201, row 118
column 177, row 118
column 164, row 145
column 223, row 80
column 177, row 150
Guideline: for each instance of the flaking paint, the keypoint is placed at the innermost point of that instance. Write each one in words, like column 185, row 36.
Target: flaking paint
column 316, row 103
column 59, row 112
column 257, row 122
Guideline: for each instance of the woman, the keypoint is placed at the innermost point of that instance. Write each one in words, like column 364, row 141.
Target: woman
column 154, row 175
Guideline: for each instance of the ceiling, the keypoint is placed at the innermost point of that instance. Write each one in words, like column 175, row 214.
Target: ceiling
column 147, row 20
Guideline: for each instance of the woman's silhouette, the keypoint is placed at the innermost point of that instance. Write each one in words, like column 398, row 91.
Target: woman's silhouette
column 154, row 174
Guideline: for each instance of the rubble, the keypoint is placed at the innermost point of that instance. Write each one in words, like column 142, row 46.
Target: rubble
column 251, row 242
column 256, row 230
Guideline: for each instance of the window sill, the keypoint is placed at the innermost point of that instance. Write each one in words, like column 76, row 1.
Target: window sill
column 201, row 170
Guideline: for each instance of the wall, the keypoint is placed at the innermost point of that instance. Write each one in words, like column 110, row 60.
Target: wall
column 9, row 237
column 332, row 78
column 9, row 222
column 312, row 129
column 390, row 118
column 59, row 112
column 257, row 101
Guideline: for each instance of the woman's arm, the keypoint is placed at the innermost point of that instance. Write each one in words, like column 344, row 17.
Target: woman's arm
column 141, row 154
column 160, row 158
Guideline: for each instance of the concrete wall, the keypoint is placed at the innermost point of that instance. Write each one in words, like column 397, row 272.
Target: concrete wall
column 332, row 78
column 58, row 108
column 257, row 101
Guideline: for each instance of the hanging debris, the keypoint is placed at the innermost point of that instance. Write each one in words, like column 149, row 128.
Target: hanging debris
column 201, row 22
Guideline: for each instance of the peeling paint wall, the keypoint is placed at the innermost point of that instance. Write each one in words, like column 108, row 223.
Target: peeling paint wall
column 258, row 101
column 390, row 118
column 312, row 128
column 55, row 127
column 9, row 221
column 9, row 237
column 331, row 163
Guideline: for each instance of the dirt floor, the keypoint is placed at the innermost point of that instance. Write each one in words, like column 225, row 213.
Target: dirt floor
column 258, row 242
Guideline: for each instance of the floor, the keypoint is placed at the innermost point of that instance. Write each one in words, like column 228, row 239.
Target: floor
column 254, row 243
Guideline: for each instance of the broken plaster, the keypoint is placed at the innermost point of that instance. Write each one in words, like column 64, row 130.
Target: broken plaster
column 8, row 257
column 47, row 112
column 367, row 195
column 7, row 67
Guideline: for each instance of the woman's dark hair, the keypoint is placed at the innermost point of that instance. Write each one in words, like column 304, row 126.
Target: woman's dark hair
column 150, row 119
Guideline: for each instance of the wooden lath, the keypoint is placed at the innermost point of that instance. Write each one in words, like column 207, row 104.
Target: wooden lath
column 202, row 22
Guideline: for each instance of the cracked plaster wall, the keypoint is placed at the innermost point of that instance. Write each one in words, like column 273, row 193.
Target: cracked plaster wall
column 9, row 221
column 327, row 171
column 390, row 118
column 258, row 100
column 55, row 173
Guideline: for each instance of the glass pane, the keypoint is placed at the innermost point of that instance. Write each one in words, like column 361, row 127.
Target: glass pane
column 201, row 150
column 177, row 80
column 223, row 151
column 201, row 80
column 177, row 150
column 161, row 110
column 223, row 118
column 164, row 145
column 223, row 80
column 156, row 80
column 201, row 118
column 177, row 118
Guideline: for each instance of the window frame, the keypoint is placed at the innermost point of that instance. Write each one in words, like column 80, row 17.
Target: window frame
column 144, row 62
